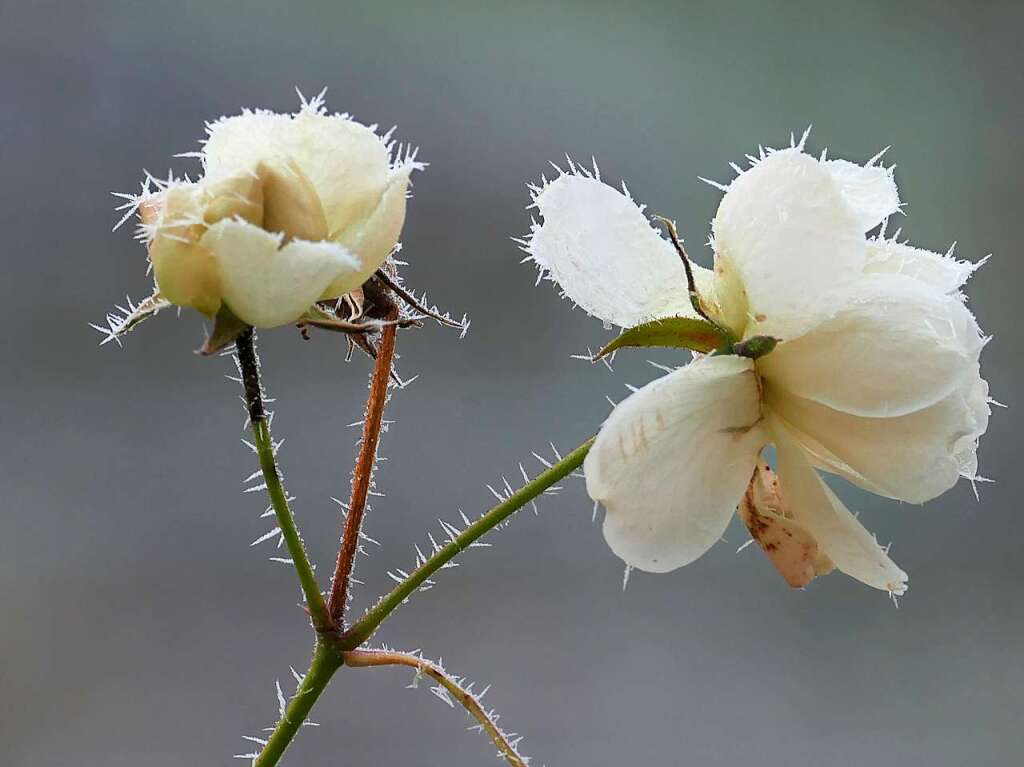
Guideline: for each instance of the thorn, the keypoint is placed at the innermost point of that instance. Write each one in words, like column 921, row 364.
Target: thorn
column 266, row 536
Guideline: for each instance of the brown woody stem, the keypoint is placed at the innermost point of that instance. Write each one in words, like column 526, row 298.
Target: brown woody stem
column 362, row 475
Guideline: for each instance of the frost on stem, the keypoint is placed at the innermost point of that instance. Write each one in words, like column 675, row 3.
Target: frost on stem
column 282, row 706
column 451, row 690
column 450, row 533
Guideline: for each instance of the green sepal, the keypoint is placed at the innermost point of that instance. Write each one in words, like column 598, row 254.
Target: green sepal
column 226, row 328
column 677, row 332
column 124, row 319
column 318, row 317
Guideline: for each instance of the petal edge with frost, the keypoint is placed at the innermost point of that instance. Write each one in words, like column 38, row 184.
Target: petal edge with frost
column 943, row 272
column 598, row 245
column 869, row 190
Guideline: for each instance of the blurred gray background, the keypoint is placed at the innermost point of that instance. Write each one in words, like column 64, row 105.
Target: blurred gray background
column 139, row 628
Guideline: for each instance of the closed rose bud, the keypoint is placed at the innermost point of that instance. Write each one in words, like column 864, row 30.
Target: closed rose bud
column 290, row 209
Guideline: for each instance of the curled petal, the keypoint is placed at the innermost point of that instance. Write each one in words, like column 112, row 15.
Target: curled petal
column 784, row 227
column 267, row 285
column 942, row 272
column 596, row 243
column 850, row 547
column 912, row 458
column 185, row 270
column 869, row 190
column 891, row 346
column 672, row 461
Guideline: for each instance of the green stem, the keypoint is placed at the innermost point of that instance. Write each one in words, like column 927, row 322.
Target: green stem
column 249, row 366
column 366, row 625
column 325, row 662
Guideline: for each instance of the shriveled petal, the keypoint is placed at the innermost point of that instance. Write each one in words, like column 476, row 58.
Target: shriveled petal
column 852, row 549
column 673, row 460
column 267, row 285
column 785, row 228
column 597, row 244
column 373, row 239
column 913, row 457
column 943, row 272
column 346, row 162
column 890, row 346
column 787, row 544
column 869, row 190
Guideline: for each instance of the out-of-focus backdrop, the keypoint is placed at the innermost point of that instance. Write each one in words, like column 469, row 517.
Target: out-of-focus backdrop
column 138, row 626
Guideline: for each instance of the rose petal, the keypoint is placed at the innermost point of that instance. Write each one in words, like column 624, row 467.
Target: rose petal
column 870, row 191
column 840, row 536
column 185, row 271
column 597, row 244
column 267, row 285
column 891, row 346
column 346, row 162
column 373, row 239
column 785, row 228
column 672, row 461
column 913, row 457
column 943, row 272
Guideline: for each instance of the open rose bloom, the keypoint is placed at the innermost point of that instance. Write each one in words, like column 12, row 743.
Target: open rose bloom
column 875, row 378
column 290, row 209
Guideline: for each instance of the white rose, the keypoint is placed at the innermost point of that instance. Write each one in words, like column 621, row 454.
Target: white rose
column 876, row 378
